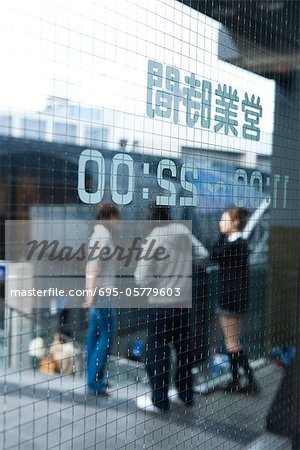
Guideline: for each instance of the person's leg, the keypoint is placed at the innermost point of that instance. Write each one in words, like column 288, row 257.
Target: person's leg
column 182, row 343
column 105, row 340
column 103, row 328
column 157, row 358
column 231, row 326
column 91, row 345
column 252, row 386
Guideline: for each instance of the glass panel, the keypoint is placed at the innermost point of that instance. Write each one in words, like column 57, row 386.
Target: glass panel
column 165, row 132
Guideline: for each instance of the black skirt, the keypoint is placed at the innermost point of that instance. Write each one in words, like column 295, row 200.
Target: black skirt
column 232, row 259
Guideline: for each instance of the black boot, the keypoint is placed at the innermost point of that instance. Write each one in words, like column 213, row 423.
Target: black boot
column 234, row 385
column 252, row 386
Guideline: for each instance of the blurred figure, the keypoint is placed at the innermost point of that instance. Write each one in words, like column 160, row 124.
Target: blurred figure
column 168, row 320
column 37, row 350
column 283, row 414
column 101, row 316
column 63, row 354
column 231, row 254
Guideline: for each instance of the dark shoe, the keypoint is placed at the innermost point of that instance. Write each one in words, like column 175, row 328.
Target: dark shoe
column 186, row 399
column 251, row 388
column 105, row 393
column 189, row 404
column 163, row 405
column 233, row 388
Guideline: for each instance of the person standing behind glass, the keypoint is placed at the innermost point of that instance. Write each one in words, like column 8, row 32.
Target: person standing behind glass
column 168, row 320
column 101, row 274
column 231, row 255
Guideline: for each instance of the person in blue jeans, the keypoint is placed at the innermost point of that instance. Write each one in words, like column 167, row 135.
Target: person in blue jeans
column 100, row 275
column 100, row 338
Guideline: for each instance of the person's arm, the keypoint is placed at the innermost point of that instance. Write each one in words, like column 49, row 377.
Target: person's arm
column 92, row 274
column 200, row 253
column 143, row 270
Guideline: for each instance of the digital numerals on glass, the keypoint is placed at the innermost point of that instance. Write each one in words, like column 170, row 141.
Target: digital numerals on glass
column 169, row 184
column 255, row 187
column 177, row 183
column 122, row 169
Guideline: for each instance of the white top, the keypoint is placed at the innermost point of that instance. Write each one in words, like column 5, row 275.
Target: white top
column 102, row 238
column 234, row 236
column 175, row 272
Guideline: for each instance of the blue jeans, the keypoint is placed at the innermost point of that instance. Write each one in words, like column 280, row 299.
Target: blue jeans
column 100, row 336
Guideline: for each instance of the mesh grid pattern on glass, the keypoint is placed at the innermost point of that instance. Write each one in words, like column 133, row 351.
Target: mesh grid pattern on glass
column 177, row 116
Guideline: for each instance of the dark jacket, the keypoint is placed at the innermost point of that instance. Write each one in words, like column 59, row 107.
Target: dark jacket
column 232, row 259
